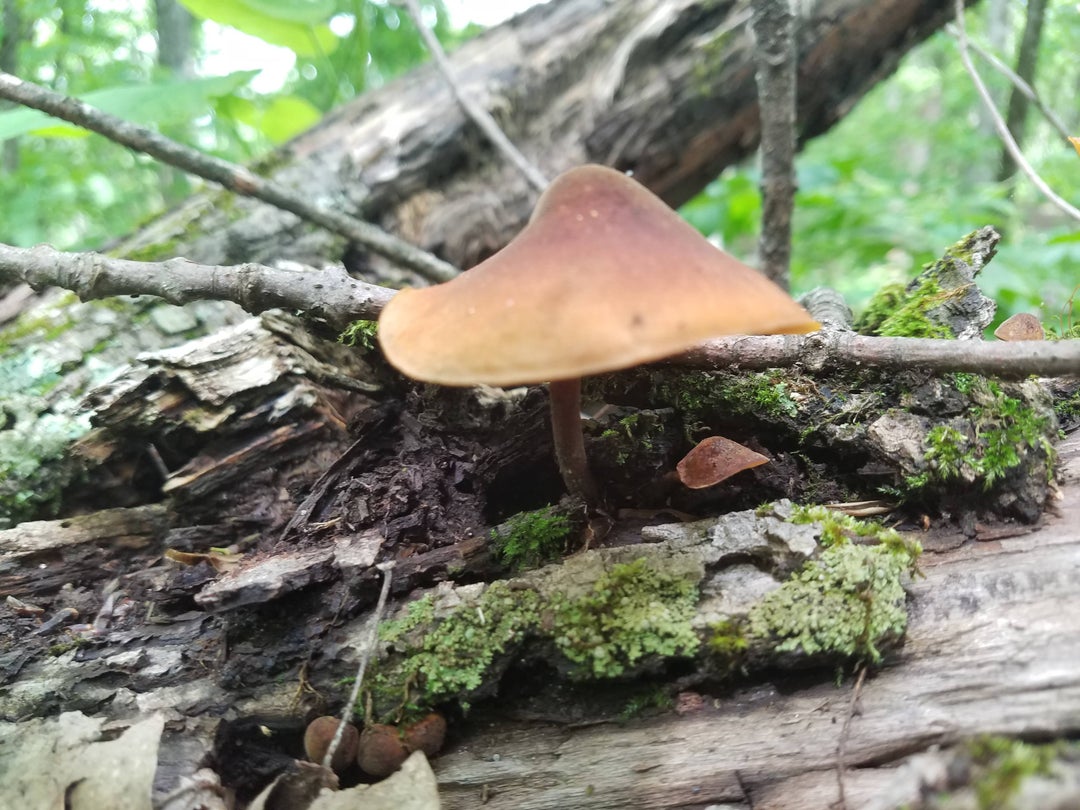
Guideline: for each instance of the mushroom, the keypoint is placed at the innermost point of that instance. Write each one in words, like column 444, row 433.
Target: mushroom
column 318, row 736
column 1021, row 326
column 716, row 459
column 604, row 277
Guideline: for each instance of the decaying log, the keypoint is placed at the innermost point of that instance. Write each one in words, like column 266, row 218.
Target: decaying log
column 663, row 87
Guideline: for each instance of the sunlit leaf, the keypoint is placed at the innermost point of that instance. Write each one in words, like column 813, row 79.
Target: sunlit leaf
column 309, row 12
column 288, row 116
column 161, row 103
column 304, row 39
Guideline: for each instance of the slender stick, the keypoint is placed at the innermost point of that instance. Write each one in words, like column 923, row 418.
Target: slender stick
column 999, row 122
column 773, row 24
column 232, row 176
column 481, row 117
column 570, row 441
column 1017, row 82
column 346, row 715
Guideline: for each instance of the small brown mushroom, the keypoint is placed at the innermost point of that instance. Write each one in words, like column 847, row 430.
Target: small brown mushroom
column 1021, row 326
column 427, row 735
column 605, row 276
column 715, row 459
column 320, row 732
column 381, row 750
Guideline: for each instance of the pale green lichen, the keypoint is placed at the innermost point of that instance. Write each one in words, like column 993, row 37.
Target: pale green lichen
column 449, row 657
column 633, row 611
column 846, row 602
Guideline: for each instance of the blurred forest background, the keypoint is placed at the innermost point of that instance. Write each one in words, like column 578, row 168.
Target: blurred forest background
column 913, row 168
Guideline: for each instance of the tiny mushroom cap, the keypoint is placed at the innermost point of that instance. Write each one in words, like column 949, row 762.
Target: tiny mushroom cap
column 1021, row 326
column 604, row 277
column 716, row 459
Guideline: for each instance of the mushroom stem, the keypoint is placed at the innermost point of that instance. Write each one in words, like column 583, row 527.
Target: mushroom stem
column 570, row 441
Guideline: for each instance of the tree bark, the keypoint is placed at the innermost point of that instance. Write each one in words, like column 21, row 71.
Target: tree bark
column 664, row 88
column 1026, row 63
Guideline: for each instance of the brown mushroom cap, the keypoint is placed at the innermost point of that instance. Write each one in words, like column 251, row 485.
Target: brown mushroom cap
column 605, row 276
column 1021, row 326
column 716, row 459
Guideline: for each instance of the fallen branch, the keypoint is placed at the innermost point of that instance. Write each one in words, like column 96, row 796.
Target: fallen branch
column 824, row 350
column 337, row 298
column 232, row 176
column 331, row 294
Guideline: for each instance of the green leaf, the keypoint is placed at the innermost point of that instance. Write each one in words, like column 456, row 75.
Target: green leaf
column 303, row 38
column 161, row 103
column 309, row 12
column 288, row 116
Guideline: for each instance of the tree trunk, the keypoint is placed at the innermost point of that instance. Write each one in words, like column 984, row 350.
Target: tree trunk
column 1026, row 63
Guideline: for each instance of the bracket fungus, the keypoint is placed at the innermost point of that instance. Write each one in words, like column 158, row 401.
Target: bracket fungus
column 604, row 277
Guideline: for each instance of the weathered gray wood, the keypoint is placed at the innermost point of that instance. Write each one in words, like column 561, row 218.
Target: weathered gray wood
column 992, row 648
column 661, row 87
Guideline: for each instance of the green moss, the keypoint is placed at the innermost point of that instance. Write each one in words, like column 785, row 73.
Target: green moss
column 727, row 645
column 449, row 657
column 531, row 539
column 1068, row 408
column 632, row 611
column 847, row 601
column 655, row 698
column 1004, row 431
column 360, row 333
column 700, row 398
column 1002, row 766
column 895, row 311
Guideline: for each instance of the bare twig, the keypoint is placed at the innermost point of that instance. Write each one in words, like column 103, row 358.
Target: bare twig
column 330, row 294
column 773, row 24
column 365, row 654
column 1017, row 82
column 339, row 299
column 478, row 114
column 827, row 350
column 845, row 732
column 999, row 122
column 230, row 175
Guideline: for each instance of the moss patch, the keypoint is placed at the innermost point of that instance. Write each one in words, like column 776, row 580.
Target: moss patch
column 531, row 539
column 848, row 601
column 1002, row 431
column 1002, row 764
column 895, row 311
column 360, row 333
column 633, row 611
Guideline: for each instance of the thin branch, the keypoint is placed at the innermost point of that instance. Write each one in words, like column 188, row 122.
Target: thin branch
column 829, row 350
column 773, row 25
column 478, row 114
column 1017, row 82
column 339, row 299
column 330, row 294
column 232, row 176
column 999, row 122
column 373, row 636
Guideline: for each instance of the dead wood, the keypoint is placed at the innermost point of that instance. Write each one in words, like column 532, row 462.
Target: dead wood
column 664, row 88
